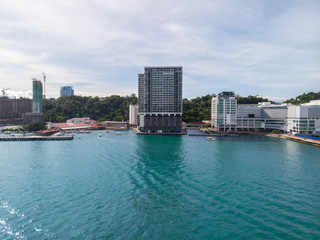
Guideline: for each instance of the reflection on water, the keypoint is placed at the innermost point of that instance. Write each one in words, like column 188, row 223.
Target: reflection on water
column 292, row 159
column 157, row 168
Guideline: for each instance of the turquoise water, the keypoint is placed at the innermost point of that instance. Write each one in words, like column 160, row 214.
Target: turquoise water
column 159, row 187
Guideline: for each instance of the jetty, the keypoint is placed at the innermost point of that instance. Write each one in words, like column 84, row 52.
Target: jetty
column 36, row 138
column 213, row 135
column 205, row 135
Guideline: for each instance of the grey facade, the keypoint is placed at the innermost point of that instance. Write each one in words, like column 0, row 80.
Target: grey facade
column 160, row 100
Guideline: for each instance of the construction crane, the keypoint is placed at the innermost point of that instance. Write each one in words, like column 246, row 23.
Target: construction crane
column 44, row 97
column 4, row 91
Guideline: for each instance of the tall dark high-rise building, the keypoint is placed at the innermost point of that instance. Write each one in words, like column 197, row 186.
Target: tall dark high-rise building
column 160, row 100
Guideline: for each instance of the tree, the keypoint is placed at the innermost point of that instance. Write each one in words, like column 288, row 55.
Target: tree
column 35, row 126
column 304, row 98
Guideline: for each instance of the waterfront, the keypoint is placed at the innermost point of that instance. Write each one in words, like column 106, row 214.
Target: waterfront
column 159, row 187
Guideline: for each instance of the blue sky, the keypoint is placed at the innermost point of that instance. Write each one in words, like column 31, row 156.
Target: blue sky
column 269, row 48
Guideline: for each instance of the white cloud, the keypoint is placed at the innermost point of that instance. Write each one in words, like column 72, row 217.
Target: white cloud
column 250, row 47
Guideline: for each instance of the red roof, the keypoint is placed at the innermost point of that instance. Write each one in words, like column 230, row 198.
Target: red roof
column 53, row 130
column 77, row 125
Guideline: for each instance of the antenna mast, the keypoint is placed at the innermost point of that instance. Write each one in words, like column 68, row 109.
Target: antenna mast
column 44, row 100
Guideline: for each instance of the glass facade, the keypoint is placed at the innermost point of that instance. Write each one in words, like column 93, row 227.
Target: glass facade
column 66, row 91
column 37, row 104
column 224, row 112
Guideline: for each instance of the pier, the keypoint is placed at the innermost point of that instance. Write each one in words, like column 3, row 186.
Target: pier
column 212, row 135
column 36, row 138
column 205, row 135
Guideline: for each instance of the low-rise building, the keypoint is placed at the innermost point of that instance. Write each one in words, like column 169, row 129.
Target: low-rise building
column 304, row 119
column 115, row 125
column 83, row 119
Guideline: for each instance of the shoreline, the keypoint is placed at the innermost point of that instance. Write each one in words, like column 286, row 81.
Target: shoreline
column 294, row 138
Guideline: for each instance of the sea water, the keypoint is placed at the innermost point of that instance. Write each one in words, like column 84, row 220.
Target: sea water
column 159, row 187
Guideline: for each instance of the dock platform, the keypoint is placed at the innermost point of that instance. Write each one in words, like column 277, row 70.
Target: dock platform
column 212, row 135
column 36, row 138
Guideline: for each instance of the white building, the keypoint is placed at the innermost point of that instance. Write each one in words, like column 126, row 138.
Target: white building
column 224, row 112
column 133, row 114
column 83, row 120
column 304, row 118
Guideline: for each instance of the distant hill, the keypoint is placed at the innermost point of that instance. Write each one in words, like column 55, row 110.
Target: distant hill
column 304, row 98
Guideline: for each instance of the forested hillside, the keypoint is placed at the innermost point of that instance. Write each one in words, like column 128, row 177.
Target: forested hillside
column 113, row 108
column 304, row 98
column 116, row 108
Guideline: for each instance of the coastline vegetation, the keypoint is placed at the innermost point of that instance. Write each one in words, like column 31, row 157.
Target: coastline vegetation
column 116, row 108
column 304, row 98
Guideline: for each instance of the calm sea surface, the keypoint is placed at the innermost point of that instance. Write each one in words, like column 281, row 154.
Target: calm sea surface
column 159, row 187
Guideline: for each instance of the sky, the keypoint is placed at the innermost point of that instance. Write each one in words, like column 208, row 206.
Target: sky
column 269, row 48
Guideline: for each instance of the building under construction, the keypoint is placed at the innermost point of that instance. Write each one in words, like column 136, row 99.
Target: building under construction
column 11, row 110
column 23, row 110
column 37, row 104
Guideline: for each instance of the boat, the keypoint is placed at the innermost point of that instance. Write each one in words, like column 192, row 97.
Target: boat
column 118, row 133
column 106, row 131
column 87, row 131
column 99, row 135
column 210, row 139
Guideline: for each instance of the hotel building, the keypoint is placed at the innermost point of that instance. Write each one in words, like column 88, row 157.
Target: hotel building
column 160, row 100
